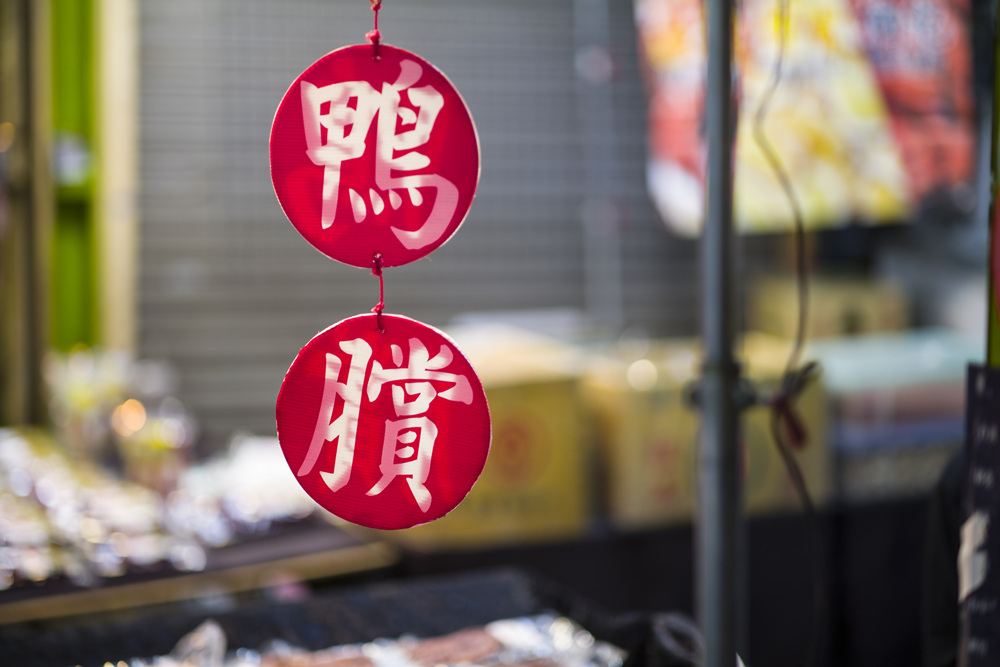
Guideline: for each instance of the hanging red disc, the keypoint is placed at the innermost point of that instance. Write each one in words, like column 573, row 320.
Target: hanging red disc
column 374, row 156
column 385, row 429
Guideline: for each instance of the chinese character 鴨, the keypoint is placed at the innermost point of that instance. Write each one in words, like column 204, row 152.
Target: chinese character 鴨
column 400, row 129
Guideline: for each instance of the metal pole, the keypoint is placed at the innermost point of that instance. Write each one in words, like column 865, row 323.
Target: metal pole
column 718, row 488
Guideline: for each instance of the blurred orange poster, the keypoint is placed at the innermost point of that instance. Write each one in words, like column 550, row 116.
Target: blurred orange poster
column 872, row 119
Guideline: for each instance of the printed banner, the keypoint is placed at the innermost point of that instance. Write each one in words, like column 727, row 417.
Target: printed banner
column 873, row 118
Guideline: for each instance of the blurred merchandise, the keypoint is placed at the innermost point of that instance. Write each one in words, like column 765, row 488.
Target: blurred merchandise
column 154, row 446
column 650, row 432
column 959, row 308
column 873, row 116
column 890, row 380
column 85, row 386
column 63, row 516
column 578, row 432
column 491, row 617
column 898, row 401
column 535, row 485
column 884, row 475
column 110, row 408
column 837, row 307
column 537, row 641
column 233, row 485
column 66, row 512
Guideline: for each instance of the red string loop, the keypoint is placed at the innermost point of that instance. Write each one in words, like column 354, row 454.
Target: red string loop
column 374, row 36
column 791, row 423
column 380, row 306
column 786, row 416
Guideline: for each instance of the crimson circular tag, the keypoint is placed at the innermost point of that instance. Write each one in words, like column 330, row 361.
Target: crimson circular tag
column 374, row 156
column 387, row 430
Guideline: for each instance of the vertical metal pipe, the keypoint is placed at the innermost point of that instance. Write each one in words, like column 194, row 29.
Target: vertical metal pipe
column 719, row 494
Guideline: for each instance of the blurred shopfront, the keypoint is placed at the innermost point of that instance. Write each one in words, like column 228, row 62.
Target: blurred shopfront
column 152, row 296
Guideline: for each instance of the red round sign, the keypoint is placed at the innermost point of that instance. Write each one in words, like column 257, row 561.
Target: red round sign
column 385, row 429
column 374, row 156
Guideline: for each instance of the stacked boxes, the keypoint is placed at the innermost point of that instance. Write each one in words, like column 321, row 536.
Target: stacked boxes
column 899, row 406
column 649, row 435
column 536, row 483
column 838, row 307
column 551, row 403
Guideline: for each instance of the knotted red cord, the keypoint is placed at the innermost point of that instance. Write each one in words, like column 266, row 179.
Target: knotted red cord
column 380, row 306
column 375, row 36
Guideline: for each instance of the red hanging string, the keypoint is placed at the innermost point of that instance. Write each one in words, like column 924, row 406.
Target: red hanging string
column 375, row 36
column 380, row 306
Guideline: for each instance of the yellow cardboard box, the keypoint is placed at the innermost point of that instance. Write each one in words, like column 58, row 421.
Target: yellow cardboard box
column 535, row 485
column 837, row 307
column 646, row 434
column 649, row 434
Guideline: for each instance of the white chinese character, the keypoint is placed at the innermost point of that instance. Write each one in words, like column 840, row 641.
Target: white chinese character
column 409, row 442
column 346, row 130
column 344, row 429
column 411, row 460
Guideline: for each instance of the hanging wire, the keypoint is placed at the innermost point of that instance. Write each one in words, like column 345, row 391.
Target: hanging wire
column 774, row 161
column 786, row 428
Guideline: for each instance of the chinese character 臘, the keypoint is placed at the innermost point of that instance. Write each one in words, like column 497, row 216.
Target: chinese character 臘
column 408, row 442
column 400, row 129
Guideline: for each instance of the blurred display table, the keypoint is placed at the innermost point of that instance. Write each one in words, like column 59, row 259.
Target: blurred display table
column 306, row 550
